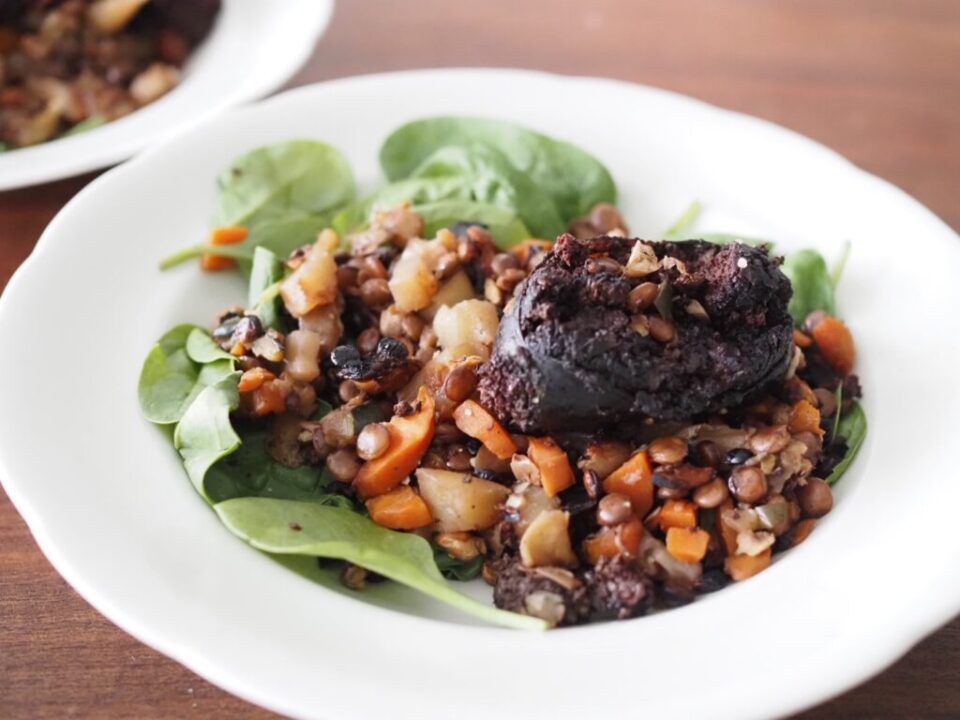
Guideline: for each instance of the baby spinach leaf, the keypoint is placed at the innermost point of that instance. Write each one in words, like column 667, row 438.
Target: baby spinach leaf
column 493, row 180
column 727, row 238
column 91, row 123
column 574, row 179
column 812, row 286
column 837, row 271
column 170, row 380
column 356, row 215
column 507, row 230
column 266, row 272
column 678, row 230
column 453, row 569
column 853, row 429
column 251, row 471
column 281, row 236
column 289, row 527
column 204, row 434
column 277, row 182
column 202, row 349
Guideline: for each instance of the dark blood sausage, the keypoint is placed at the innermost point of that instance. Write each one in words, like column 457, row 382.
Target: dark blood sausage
column 568, row 355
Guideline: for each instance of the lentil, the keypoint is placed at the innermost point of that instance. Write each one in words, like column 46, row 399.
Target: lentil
column 460, row 383
column 660, row 330
column 502, row 262
column 769, row 440
column 343, row 465
column 708, row 453
column 827, row 400
column 815, row 498
column 748, row 483
column 642, row 296
column 458, row 459
column 375, row 293
column 367, row 340
column 668, row 450
column 711, row 495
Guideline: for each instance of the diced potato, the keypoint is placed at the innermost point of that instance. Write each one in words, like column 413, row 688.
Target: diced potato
column 529, row 505
column 111, row 16
column 303, row 355
column 453, row 291
column 546, row 543
column 470, row 322
column 460, row 502
column 412, row 281
column 314, row 283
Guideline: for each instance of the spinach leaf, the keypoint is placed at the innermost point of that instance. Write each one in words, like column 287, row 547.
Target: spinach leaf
column 493, row 180
column 251, row 471
column 91, row 123
column 356, row 215
column 266, row 273
column 574, row 179
column 453, row 569
column 202, row 349
column 853, row 429
column 278, row 182
column 507, row 230
column 679, row 228
column 289, row 527
column 837, row 271
column 281, row 237
column 727, row 238
column 170, row 380
column 812, row 286
column 204, row 434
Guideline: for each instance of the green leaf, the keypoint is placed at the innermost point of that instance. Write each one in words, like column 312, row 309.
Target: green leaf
column 812, row 286
column 204, row 434
column 170, row 380
column 251, row 471
column 837, row 271
column 574, row 179
column 461, row 570
column 853, row 429
column 91, row 123
column 416, row 191
column 683, row 223
column 266, row 273
column 202, row 349
column 727, row 238
column 507, row 230
column 281, row 237
column 493, row 180
column 288, row 527
column 290, row 179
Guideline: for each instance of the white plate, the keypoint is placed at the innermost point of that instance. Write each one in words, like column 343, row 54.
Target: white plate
column 253, row 48
column 107, row 500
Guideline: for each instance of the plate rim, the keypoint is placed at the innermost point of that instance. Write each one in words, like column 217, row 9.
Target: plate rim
column 893, row 645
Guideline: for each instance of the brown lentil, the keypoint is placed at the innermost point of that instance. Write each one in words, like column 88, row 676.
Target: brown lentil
column 815, row 498
column 338, row 428
column 460, row 383
column 711, row 495
column 605, row 217
column 343, row 465
column 614, row 509
column 447, row 265
column 642, row 296
column 502, row 262
column 668, row 450
column 374, row 267
column 769, row 440
column 510, row 279
column 346, row 277
column 354, row 577
column 660, row 330
column 375, row 293
column 367, row 340
column 708, row 453
column 412, row 326
column 603, row 264
column 458, row 459
column 591, row 483
column 827, row 401
column 447, row 432
column 466, row 252
column 667, row 493
column 748, row 483
column 373, row 441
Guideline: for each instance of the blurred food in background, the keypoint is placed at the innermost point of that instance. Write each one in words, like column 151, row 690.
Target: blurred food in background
column 67, row 66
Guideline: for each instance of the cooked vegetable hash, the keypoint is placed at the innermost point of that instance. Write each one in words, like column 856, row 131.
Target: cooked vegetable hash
column 71, row 65
column 421, row 387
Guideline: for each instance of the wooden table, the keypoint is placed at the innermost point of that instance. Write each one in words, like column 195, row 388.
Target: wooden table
column 875, row 79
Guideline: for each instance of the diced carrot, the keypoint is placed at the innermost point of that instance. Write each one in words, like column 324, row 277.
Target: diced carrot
column 635, row 480
column 801, row 339
column 728, row 533
column 801, row 531
column 270, row 397
column 400, row 509
column 741, row 567
column 220, row 237
column 527, row 248
column 610, row 542
column 678, row 514
column 556, row 474
column 804, row 417
column 687, row 544
column 835, row 343
column 476, row 422
column 410, row 436
column 254, row 378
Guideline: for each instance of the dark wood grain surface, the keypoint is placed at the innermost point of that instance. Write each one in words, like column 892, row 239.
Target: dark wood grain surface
column 877, row 80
